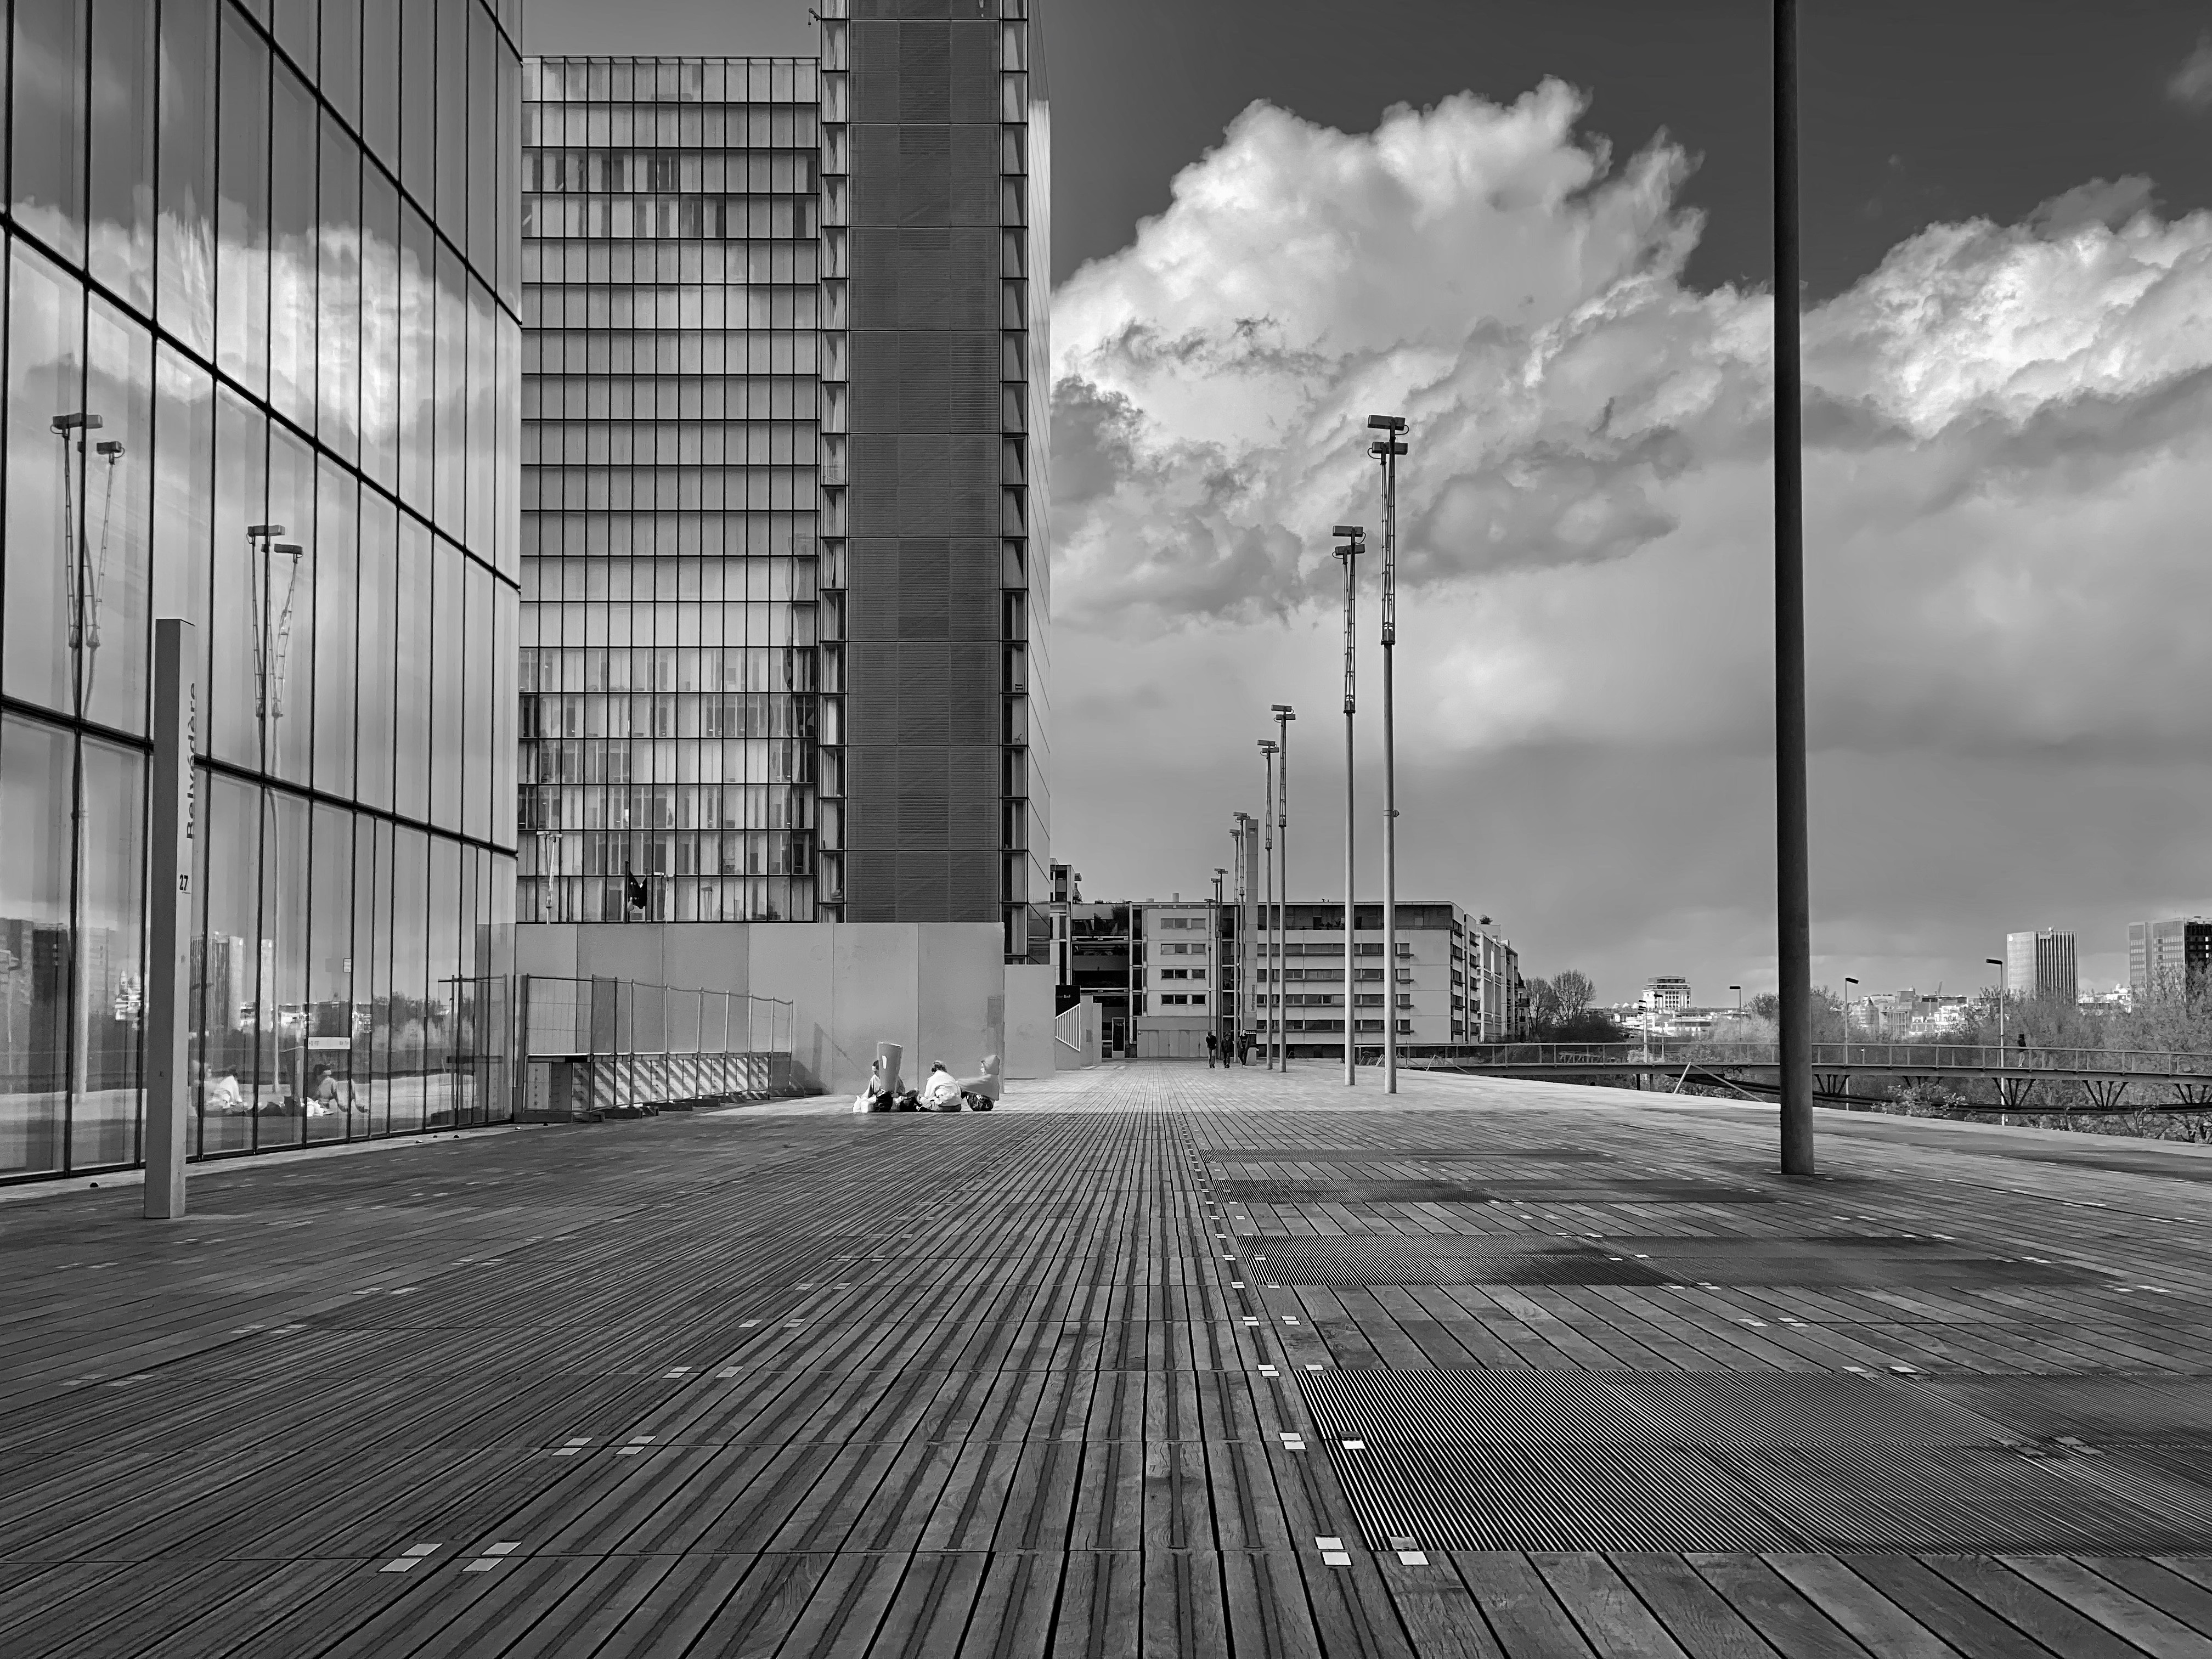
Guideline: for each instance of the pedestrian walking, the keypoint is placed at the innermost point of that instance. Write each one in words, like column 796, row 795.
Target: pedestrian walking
column 1212, row 1049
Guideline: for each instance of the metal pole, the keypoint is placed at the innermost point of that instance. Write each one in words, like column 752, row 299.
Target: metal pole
column 1270, row 964
column 1793, row 897
column 1349, row 553
column 1284, row 716
column 169, row 905
column 1388, row 448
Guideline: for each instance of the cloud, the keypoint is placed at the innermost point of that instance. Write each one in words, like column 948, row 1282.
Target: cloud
column 2191, row 86
column 2009, row 464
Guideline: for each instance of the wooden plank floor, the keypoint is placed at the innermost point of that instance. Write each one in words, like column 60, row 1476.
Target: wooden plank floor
column 1551, row 1371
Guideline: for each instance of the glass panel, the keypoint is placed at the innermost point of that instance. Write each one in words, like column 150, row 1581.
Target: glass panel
column 369, row 969
column 411, row 651
column 418, row 115
column 46, row 471
column 376, row 716
column 338, row 328
column 34, row 944
column 450, row 437
column 418, row 331
column 379, row 81
column 229, row 966
column 484, row 418
column 111, row 988
column 242, row 210
column 120, row 388
column 407, row 1004
column 292, row 249
column 293, row 23
column 337, row 611
column 187, row 126
column 443, row 991
column 330, row 1021
column 476, row 648
column 123, row 71
column 485, row 185
column 286, row 606
column 452, row 58
column 184, row 497
column 241, row 440
column 449, row 644
column 281, row 1048
column 51, row 58
column 379, row 328
column 340, row 80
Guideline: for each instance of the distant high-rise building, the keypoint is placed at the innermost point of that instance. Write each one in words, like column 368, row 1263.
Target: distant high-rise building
column 785, row 479
column 2168, row 960
column 2039, row 964
column 1666, row 991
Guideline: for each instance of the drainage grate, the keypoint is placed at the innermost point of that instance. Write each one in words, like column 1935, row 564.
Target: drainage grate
column 1395, row 1154
column 1388, row 1404
column 2108, row 1410
column 1626, row 1191
column 1874, row 1263
column 1497, row 1497
column 1438, row 1258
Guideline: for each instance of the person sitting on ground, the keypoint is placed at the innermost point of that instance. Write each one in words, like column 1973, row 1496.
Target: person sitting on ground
column 877, row 1096
column 940, row 1091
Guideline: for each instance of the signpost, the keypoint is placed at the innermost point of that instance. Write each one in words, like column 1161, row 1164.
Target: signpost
column 169, row 903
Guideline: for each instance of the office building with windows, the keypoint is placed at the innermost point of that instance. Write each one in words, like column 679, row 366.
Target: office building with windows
column 1454, row 983
column 785, row 548
column 2168, row 961
column 2039, row 963
column 263, row 355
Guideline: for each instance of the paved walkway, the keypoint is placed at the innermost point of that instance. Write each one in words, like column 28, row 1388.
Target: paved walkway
column 1154, row 1360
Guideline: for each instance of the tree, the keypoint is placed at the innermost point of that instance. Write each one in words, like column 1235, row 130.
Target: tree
column 1543, row 1003
column 1574, row 992
column 1765, row 1006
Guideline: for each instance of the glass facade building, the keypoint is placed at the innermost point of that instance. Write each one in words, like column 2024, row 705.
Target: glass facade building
column 672, row 409
column 786, row 565
column 263, row 356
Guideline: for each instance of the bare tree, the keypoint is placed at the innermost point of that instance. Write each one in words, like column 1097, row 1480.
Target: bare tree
column 1574, row 990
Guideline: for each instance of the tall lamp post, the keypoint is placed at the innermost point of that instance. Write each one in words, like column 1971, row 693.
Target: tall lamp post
column 1849, row 983
column 1284, row 716
column 1997, row 962
column 1214, row 956
column 1352, row 541
column 1793, row 889
column 1387, row 448
column 1270, row 966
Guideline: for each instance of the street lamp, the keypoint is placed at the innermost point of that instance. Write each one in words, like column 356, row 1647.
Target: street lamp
column 1738, row 989
column 1848, row 983
column 1386, row 449
column 1215, row 977
column 1352, row 543
column 1271, row 972
column 1284, row 716
column 1997, row 962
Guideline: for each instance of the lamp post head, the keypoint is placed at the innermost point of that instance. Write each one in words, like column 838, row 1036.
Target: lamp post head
column 1283, row 711
column 289, row 550
column 263, row 532
column 1266, row 745
column 1387, row 422
column 75, row 422
column 111, row 448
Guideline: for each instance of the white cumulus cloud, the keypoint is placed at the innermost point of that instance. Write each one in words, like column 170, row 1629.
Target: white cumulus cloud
column 2009, row 472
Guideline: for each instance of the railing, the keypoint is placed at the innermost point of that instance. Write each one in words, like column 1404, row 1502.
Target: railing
column 1913, row 1059
column 603, row 1048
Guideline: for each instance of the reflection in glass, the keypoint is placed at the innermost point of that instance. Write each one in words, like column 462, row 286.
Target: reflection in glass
column 227, row 964
column 115, row 574
column 292, row 240
column 281, row 1031
column 241, row 438
column 34, row 944
column 338, row 330
column 378, row 615
column 53, row 58
column 183, row 496
column 46, row 474
column 242, row 209
column 410, row 777
column 381, row 301
column 407, row 1006
column 186, row 270
column 338, row 575
column 331, row 1108
column 283, row 609
column 122, row 231
column 111, row 958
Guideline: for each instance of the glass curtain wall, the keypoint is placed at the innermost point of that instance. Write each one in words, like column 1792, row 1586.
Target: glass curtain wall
column 669, row 668
column 263, row 354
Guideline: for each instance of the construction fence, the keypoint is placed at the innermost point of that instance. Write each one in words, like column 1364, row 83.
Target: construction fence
column 595, row 1049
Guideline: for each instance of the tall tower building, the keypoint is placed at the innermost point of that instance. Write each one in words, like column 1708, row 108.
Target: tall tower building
column 785, row 572
column 2039, row 963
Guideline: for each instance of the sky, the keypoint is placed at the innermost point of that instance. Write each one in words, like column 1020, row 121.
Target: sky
column 1544, row 234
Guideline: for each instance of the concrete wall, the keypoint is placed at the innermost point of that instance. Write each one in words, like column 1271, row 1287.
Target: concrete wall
column 1029, row 1020
column 937, row 988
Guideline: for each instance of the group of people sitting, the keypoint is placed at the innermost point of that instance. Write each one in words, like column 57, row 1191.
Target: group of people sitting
column 940, row 1091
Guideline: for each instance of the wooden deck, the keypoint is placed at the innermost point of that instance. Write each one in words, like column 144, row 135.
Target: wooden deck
column 1154, row 1360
